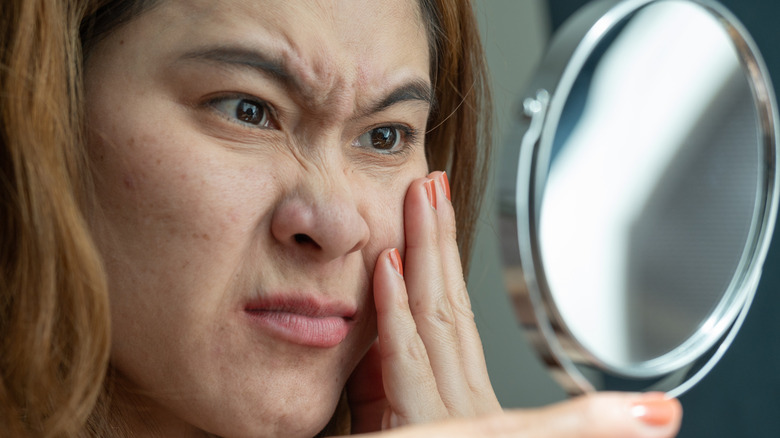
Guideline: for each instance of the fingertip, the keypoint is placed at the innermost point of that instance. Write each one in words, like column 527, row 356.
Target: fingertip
column 395, row 261
column 645, row 415
column 607, row 415
column 442, row 183
column 389, row 284
column 655, row 410
column 430, row 192
column 420, row 212
column 445, row 184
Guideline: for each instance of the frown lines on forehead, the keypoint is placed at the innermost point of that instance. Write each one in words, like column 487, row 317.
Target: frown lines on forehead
column 276, row 67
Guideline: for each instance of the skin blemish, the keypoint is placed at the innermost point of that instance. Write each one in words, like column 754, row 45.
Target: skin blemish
column 129, row 182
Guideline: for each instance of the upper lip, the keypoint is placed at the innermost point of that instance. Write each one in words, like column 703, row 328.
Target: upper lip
column 310, row 305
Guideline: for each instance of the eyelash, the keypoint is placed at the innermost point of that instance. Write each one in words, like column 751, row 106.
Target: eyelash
column 409, row 135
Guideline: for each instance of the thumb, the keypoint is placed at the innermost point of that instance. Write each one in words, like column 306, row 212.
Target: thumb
column 603, row 415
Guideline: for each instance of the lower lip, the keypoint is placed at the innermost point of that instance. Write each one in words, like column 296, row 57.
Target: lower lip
column 321, row 332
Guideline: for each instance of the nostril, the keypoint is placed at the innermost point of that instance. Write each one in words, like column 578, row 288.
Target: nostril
column 305, row 239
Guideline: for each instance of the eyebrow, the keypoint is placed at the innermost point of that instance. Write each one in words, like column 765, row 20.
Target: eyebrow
column 413, row 90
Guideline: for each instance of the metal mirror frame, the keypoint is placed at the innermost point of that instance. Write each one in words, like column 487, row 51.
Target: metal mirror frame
column 526, row 284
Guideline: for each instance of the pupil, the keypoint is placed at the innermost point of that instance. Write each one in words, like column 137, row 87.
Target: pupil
column 249, row 112
column 383, row 138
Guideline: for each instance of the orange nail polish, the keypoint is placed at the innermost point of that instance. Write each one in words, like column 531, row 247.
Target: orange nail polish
column 430, row 190
column 395, row 260
column 445, row 183
column 656, row 410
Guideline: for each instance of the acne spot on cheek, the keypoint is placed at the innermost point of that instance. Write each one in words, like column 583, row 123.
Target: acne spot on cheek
column 203, row 236
column 129, row 182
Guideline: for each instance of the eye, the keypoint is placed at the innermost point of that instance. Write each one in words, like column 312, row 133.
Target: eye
column 246, row 111
column 385, row 139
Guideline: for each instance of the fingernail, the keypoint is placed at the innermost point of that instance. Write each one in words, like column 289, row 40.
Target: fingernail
column 445, row 183
column 430, row 189
column 655, row 409
column 395, row 260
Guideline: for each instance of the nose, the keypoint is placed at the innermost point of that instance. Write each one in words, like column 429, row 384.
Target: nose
column 320, row 224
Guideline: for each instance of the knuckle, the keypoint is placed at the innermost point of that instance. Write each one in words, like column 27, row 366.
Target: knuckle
column 415, row 351
column 484, row 396
column 440, row 318
column 437, row 314
column 463, row 307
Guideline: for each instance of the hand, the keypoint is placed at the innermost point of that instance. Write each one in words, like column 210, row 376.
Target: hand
column 428, row 363
column 603, row 415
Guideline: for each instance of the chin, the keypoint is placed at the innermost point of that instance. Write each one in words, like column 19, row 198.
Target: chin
column 289, row 414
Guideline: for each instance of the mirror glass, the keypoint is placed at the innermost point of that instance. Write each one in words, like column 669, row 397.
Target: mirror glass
column 651, row 186
column 647, row 193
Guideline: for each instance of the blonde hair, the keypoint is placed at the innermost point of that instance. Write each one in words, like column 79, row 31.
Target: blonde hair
column 54, row 316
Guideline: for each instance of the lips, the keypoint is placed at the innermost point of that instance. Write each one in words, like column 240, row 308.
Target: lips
column 305, row 320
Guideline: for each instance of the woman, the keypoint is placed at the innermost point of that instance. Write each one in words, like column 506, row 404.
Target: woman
column 242, row 192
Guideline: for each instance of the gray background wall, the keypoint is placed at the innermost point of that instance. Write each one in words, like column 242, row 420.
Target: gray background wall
column 514, row 34
column 741, row 397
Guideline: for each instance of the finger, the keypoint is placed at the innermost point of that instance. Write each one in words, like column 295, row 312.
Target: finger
column 470, row 344
column 409, row 383
column 428, row 297
column 605, row 415
column 596, row 416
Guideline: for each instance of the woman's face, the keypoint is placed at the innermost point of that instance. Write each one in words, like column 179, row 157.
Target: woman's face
column 251, row 160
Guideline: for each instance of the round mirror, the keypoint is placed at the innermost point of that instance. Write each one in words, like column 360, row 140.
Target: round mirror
column 644, row 196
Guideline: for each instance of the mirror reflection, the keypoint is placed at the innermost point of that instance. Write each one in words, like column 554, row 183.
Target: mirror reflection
column 651, row 191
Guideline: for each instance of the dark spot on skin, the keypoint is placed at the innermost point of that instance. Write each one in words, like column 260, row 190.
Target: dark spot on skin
column 121, row 42
column 159, row 161
column 129, row 182
column 203, row 236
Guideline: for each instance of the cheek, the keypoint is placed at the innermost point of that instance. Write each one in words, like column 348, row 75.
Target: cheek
column 387, row 223
column 171, row 206
column 385, row 209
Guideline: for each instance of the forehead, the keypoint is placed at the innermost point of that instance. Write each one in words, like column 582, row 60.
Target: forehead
column 325, row 43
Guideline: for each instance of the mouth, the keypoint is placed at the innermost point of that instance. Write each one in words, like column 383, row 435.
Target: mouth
column 307, row 321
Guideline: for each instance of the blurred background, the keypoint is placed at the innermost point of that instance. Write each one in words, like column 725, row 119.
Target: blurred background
column 741, row 396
